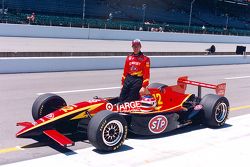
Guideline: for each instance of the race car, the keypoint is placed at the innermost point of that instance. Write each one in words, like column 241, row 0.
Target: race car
column 106, row 121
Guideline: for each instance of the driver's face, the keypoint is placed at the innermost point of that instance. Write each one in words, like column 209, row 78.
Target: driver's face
column 136, row 49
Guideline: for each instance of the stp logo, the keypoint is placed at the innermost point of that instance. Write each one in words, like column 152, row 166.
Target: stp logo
column 158, row 124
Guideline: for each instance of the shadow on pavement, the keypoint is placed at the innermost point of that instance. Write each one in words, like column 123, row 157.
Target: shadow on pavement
column 182, row 130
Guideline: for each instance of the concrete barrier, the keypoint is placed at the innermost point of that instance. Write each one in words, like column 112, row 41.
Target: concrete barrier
column 25, row 30
column 16, row 30
column 165, row 36
column 53, row 64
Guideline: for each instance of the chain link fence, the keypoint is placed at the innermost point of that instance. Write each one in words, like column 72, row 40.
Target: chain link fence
column 46, row 20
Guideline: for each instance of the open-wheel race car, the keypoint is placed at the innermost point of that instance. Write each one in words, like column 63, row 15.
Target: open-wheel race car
column 107, row 121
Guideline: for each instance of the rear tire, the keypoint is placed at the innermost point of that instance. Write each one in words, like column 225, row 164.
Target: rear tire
column 46, row 104
column 107, row 131
column 216, row 110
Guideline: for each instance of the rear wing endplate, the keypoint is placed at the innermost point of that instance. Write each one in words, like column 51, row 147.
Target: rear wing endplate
column 220, row 89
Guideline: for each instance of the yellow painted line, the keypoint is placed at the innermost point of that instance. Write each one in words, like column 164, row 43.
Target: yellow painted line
column 239, row 108
column 12, row 149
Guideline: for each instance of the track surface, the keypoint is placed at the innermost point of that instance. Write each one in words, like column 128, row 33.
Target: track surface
column 24, row 44
column 18, row 91
column 199, row 146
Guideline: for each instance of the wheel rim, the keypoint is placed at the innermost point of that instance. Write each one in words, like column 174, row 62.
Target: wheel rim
column 221, row 112
column 112, row 133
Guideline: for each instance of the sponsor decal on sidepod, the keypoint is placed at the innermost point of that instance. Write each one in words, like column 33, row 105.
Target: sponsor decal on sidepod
column 158, row 124
column 125, row 107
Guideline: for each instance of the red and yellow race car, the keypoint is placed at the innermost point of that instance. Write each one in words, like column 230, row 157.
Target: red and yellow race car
column 107, row 121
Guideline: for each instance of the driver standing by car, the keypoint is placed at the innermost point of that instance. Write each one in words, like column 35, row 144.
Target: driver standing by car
column 136, row 74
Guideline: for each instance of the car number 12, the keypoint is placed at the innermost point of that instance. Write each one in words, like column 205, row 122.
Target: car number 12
column 158, row 98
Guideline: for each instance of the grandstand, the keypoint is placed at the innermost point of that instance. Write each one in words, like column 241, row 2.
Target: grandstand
column 217, row 16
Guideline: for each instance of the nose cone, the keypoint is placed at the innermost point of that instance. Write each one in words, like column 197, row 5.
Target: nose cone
column 28, row 131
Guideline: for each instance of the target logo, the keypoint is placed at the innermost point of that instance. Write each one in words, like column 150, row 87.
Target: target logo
column 50, row 116
column 158, row 124
column 109, row 106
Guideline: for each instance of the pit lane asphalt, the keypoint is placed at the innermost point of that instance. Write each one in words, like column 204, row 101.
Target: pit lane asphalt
column 18, row 91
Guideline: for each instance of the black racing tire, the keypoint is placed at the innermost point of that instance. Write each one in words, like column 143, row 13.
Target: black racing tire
column 46, row 104
column 216, row 110
column 107, row 130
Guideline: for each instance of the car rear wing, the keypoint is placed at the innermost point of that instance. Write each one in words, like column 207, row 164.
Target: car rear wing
column 219, row 89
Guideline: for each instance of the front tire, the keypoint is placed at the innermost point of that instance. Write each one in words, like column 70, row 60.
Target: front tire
column 107, row 131
column 216, row 110
column 46, row 104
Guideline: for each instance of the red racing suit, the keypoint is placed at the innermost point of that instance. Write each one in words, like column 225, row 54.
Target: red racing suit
column 137, row 65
